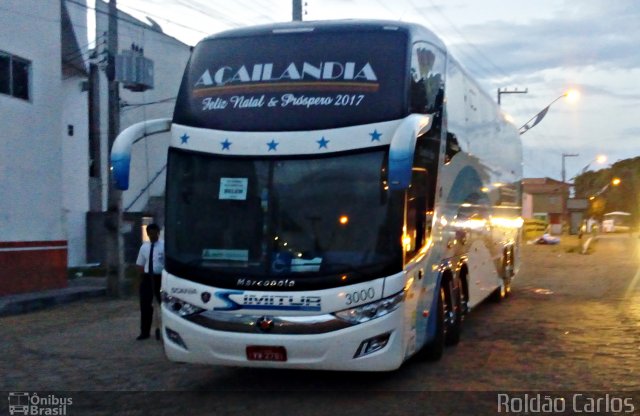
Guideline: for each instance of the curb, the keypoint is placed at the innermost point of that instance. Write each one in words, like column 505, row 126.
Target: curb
column 29, row 302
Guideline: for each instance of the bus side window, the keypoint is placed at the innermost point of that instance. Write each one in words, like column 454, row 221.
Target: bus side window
column 452, row 147
column 427, row 79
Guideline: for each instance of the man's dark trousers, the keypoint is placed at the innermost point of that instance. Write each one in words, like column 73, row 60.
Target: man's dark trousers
column 149, row 286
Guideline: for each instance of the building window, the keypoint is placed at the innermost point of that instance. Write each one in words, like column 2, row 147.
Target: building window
column 15, row 74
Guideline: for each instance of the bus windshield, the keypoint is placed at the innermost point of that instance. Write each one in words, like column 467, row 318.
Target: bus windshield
column 266, row 218
column 295, row 81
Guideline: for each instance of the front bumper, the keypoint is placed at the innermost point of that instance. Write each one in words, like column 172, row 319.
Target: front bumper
column 333, row 350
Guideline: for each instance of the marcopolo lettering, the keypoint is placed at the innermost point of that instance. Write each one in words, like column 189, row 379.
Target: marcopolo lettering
column 266, row 283
column 267, row 72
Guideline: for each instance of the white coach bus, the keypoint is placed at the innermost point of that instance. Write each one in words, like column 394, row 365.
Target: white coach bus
column 338, row 195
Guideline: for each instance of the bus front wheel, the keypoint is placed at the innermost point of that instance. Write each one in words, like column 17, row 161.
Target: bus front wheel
column 453, row 311
column 433, row 350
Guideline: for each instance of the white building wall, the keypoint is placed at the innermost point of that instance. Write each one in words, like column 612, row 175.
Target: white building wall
column 30, row 143
column 75, row 168
column 170, row 56
column 75, row 148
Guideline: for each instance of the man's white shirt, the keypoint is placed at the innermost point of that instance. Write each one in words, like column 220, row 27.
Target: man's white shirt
column 158, row 256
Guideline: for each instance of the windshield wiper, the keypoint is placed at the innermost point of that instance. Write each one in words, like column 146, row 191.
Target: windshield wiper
column 340, row 268
column 359, row 270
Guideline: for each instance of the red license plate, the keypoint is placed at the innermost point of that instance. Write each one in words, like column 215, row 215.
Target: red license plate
column 266, row 353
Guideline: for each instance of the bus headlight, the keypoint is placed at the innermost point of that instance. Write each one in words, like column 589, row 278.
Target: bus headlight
column 179, row 306
column 371, row 310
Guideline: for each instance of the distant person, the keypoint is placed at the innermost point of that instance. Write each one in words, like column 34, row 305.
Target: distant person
column 150, row 264
column 583, row 229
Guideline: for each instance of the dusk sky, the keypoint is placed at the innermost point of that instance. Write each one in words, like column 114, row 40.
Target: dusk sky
column 546, row 46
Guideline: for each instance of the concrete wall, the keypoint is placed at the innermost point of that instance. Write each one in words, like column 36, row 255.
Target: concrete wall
column 551, row 203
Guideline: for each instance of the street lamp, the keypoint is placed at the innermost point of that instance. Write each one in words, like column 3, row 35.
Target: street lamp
column 597, row 204
column 614, row 182
column 601, row 159
column 507, row 91
column 571, row 94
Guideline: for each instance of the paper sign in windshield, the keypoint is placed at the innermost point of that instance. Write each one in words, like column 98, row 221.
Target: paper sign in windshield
column 228, row 255
column 233, row 188
column 306, row 265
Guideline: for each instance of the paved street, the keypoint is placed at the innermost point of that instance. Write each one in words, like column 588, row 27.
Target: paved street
column 572, row 323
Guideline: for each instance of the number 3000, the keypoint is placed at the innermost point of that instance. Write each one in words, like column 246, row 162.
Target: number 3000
column 360, row 296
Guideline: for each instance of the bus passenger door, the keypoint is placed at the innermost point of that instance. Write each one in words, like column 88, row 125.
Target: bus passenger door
column 418, row 214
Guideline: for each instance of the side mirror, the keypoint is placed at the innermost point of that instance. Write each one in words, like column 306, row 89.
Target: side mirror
column 402, row 148
column 121, row 150
column 120, row 165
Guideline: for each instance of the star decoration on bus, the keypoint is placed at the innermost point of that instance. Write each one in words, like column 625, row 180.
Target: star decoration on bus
column 375, row 136
column 184, row 138
column 226, row 144
column 322, row 143
column 273, row 145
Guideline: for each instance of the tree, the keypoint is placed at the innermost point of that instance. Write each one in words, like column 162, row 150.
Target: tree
column 604, row 196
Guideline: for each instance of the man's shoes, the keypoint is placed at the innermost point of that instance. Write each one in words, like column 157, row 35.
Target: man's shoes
column 142, row 337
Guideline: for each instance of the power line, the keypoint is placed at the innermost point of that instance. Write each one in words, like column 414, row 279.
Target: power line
column 487, row 71
column 163, row 18
column 137, row 105
column 81, row 52
column 136, row 23
column 480, row 68
column 31, row 15
column 265, row 10
column 534, row 168
column 224, row 13
column 464, row 38
column 131, row 20
column 219, row 15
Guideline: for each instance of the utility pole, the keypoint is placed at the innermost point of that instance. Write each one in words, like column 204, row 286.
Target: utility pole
column 565, row 213
column 297, row 10
column 565, row 155
column 507, row 91
column 114, row 240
